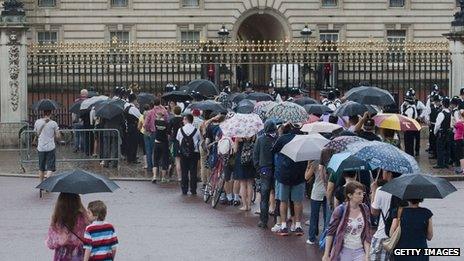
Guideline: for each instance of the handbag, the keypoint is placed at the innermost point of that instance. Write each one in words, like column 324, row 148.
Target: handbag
column 390, row 243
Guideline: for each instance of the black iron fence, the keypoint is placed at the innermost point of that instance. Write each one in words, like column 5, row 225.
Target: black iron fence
column 59, row 71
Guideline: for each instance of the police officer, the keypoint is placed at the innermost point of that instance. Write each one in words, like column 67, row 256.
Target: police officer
column 442, row 131
column 131, row 115
column 408, row 109
column 330, row 101
column 435, row 108
column 271, row 89
column 418, row 115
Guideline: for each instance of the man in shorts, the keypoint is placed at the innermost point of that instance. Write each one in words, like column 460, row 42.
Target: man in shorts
column 47, row 131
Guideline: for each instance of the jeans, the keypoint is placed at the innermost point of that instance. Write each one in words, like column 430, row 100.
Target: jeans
column 314, row 217
column 149, row 143
column 266, row 187
column 78, row 141
column 189, row 167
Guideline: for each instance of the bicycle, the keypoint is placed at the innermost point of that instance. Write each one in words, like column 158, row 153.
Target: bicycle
column 215, row 185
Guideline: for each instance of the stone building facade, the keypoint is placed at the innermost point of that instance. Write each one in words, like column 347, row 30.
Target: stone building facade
column 168, row 20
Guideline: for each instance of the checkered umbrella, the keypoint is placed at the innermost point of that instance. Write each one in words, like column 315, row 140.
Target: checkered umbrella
column 338, row 144
column 288, row 111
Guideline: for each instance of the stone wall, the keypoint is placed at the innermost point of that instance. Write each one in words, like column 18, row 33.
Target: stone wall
column 148, row 20
column 9, row 134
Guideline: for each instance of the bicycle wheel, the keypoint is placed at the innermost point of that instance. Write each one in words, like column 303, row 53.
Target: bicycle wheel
column 207, row 191
column 218, row 190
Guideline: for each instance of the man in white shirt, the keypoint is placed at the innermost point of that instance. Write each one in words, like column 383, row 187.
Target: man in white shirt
column 46, row 130
column 380, row 206
column 189, row 154
column 132, row 135
column 409, row 110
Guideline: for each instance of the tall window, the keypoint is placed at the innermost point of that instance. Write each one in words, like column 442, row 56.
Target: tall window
column 47, row 3
column 47, row 37
column 329, row 36
column 329, row 2
column 396, row 54
column 122, row 36
column 190, row 36
column 119, row 3
column 396, row 3
column 190, row 3
column 396, row 36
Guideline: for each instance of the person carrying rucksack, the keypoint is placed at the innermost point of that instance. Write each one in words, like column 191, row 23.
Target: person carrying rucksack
column 383, row 204
column 189, row 139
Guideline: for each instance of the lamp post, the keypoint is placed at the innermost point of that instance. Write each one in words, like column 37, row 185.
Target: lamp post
column 224, row 35
column 305, row 33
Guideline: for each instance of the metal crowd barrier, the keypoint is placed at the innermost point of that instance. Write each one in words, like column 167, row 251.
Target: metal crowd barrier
column 75, row 145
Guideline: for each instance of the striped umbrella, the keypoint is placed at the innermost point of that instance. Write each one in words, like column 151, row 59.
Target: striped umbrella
column 396, row 122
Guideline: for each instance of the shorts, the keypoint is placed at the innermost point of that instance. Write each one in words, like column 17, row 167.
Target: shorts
column 47, row 160
column 161, row 155
column 227, row 172
column 285, row 192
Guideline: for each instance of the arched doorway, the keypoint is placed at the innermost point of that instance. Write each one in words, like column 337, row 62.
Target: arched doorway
column 259, row 25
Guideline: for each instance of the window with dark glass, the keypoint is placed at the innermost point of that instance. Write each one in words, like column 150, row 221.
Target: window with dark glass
column 47, row 37
column 396, row 3
column 119, row 3
column 329, row 2
column 190, row 3
column 47, row 3
column 120, row 36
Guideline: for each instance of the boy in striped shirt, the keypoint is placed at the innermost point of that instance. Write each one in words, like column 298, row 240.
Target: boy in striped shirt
column 100, row 240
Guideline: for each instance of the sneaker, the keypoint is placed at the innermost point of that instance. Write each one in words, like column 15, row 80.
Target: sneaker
column 153, row 180
column 275, row 228
column 283, row 231
column 309, row 242
column 307, row 223
column 292, row 228
column 298, row 231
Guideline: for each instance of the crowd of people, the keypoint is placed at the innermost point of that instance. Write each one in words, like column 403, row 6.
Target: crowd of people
column 177, row 142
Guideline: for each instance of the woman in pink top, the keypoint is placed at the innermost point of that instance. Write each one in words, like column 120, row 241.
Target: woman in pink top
column 67, row 228
column 458, row 139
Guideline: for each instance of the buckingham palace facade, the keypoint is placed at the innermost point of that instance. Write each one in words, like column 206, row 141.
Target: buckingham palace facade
column 200, row 20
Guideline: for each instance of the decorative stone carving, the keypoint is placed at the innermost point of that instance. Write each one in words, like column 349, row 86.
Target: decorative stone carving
column 459, row 16
column 13, row 7
column 13, row 69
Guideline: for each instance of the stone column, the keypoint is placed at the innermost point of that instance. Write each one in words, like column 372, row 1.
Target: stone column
column 456, row 38
column 13, row 72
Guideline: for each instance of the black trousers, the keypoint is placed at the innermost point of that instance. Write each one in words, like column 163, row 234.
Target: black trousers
column 443, row 149
column 131, row 143
column 267, row 184
column 409, row 138
column 189, row 173
column 417, row 139
column 432, row 141
column 110, row 147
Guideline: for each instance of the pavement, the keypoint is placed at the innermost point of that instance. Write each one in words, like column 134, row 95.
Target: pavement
column 155, row 222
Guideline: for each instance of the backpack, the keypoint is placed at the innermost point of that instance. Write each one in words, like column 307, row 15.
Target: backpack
column 395, row 203
column 187, row 146
column 246, row 155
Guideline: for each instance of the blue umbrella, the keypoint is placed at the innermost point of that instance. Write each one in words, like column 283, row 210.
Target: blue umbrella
column 385, row 156
column 344, row 161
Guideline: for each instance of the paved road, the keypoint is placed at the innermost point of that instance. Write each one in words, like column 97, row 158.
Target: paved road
column 157, row 223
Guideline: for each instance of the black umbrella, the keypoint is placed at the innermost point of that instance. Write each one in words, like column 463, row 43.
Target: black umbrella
column 91, row 94
column 145, row 98
column 198, row 96
column 76, row 107
column 45, row 105
column 317, row 109
column 351, row 108
column 178, row 96
column 237, row 97
column 245, row 106
column 208, row 106
column 305, row 100
column 259, row 96
column 109, row 109
column 370, row 95
column 418, row 186
column 78, row 181
column 204, row 87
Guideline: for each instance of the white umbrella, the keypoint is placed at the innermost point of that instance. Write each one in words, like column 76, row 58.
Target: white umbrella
column 87, row 103
column 320, row 127
column 305, row 147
